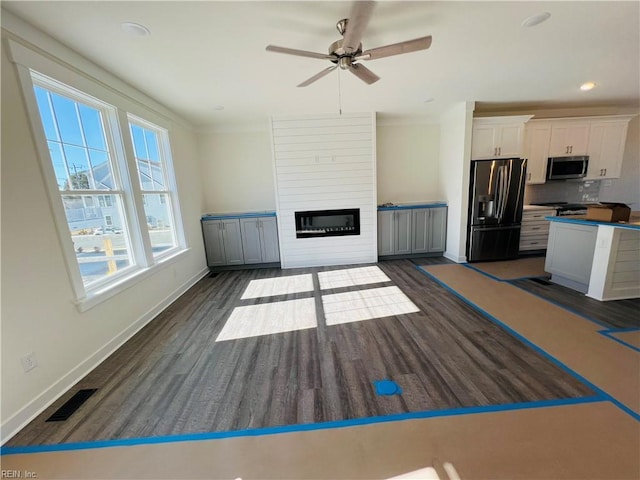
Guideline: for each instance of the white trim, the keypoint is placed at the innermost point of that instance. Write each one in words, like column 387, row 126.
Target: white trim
column 48, row 177
column 26, row 414
column 455, row 258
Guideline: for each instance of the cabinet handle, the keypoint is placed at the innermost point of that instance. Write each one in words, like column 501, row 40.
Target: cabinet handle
column 495, row 151
column 499, row 150
column 528, row 176
column 605, row 172
column 535, row 228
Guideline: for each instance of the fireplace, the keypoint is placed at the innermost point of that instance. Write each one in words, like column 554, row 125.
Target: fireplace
column 328, row 223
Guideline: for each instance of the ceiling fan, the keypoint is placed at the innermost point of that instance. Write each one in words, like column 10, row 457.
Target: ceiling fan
column 344, row 53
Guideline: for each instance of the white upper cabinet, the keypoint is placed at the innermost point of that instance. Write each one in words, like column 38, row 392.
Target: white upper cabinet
column 537, row 138
column 568, row 139
column 607, row 139
column 498, row 137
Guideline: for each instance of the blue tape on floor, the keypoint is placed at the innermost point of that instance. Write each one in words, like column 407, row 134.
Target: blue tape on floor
column 298, row 428
column 576, row 375
column 557, row 304
column 387, row 387
column 609, row 334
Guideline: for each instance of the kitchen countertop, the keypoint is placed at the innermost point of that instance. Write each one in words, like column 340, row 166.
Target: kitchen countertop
column 404, row 206
column 633, row 223
column 229, row 215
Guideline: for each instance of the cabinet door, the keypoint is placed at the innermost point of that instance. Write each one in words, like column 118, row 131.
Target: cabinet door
column 537, row 152
column 437, row 229
column 569, row 139
column 420, row 230
column 213, row 242
column 386, row 232
column 232, row 242
column 403, row 232
column 579, row 139
column 484, row 142
column 251, row 248
column 606, row 149
column 510, row 141
column 269, row 240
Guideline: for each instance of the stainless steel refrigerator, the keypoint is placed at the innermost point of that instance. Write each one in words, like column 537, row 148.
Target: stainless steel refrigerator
column 495, row 209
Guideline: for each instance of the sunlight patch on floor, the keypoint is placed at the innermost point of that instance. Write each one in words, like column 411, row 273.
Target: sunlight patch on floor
column 269, row 318
column 351, row 276
column 270, row 287
column 365, row 305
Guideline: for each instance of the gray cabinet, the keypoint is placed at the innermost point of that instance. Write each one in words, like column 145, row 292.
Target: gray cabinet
column 428, row 230
column 223, row 243
column 411, row 231
column 260, row 240
column 394, row 232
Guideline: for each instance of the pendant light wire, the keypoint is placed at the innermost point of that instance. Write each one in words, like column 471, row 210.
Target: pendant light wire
column 339, row 94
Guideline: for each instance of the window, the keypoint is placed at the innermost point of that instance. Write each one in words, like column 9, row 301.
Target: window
column 111, row 238
column 153, row 165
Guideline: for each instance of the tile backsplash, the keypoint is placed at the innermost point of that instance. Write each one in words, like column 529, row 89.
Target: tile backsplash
column 563, row 191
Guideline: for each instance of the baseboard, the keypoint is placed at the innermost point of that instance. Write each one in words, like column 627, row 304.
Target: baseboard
column 34, row 408
column 455, row 258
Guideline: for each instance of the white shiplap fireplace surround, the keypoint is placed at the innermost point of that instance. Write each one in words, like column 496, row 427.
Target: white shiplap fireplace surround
column 325, row 162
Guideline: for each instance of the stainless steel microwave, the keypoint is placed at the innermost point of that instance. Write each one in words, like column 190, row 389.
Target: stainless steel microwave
column 564, row 168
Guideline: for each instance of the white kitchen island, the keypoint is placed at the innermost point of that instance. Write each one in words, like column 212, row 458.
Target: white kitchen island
column 599, row 259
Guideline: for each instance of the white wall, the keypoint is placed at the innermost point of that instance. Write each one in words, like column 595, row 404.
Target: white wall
column 626, row 189
column 237, row 171
column 38, row 313
column 455, row 163
column 408, row 166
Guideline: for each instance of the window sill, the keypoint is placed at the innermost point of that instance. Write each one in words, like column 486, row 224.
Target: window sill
column 98, row 296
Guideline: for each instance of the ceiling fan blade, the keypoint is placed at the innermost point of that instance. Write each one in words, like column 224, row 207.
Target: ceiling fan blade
column 363, row 73
column 300, row 53
column 318, row 76
column 397, row 48
column 356, row 25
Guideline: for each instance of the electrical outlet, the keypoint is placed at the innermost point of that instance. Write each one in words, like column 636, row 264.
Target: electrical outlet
column 29, row 362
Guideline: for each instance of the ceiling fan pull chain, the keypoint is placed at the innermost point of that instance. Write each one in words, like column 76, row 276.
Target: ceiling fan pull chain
column 339, row 94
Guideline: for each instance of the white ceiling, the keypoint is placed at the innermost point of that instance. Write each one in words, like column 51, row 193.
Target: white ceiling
column 208, row 53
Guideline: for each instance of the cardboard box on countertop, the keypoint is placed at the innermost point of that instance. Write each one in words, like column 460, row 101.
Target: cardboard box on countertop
column 609, row 212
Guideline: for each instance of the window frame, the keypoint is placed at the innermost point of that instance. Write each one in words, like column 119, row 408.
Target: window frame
column 117, row 135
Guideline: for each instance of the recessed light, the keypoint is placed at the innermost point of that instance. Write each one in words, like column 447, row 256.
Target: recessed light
column 585, row 87
column 218, row 107
column 537, row 19
column 135, row 29
column 429, row 100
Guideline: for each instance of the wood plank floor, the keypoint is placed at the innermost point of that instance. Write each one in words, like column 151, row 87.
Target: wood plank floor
column 174, row 378
column 614, row 313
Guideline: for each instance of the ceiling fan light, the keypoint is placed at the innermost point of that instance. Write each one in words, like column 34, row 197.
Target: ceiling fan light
column 537, row 19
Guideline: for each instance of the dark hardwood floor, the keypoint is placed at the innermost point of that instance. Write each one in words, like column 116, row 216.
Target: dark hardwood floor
column 612, row 314
column 174, row 378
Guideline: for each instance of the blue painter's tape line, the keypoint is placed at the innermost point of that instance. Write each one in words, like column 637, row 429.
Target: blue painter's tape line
column 592, row 223
column 564, row 307
column 498, row 279
column 411, row 207
column 610, row 335
column 576, row 375
column 299, row 428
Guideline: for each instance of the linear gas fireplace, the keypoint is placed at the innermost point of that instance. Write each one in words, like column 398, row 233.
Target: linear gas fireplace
column 328, row 223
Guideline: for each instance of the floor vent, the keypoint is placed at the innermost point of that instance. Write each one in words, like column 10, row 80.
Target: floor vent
column 541, row 281
column 214, row 274
column 71, row 405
